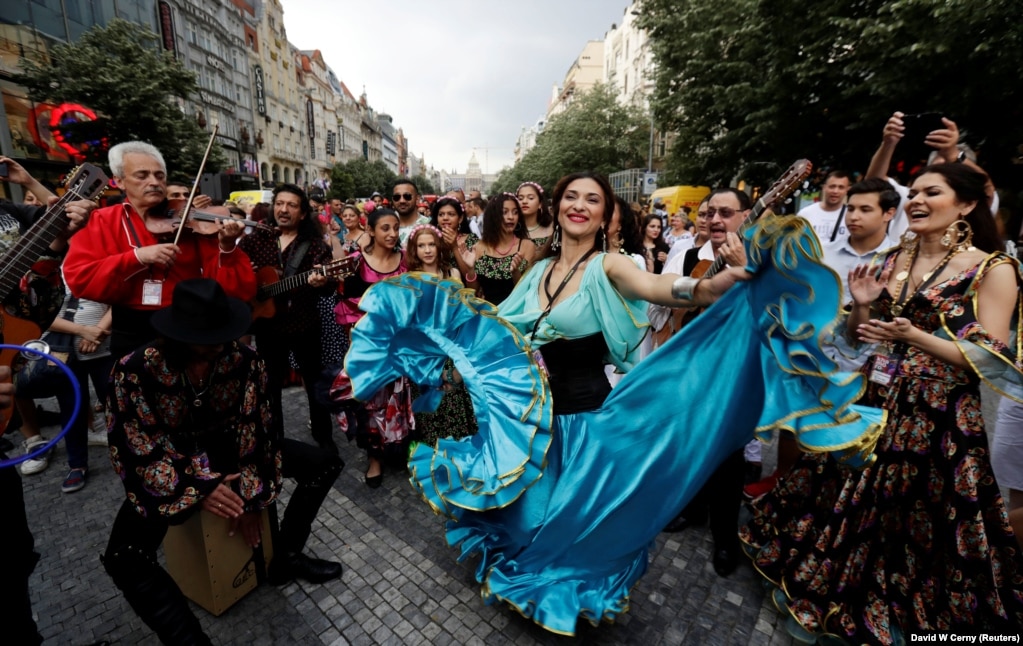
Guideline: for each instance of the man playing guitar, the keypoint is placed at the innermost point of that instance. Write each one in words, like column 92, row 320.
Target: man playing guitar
column 16, row 540
column 721, row 496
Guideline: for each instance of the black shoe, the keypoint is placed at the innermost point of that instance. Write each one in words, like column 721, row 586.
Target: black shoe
column 725, row 561
column 374, row 482
column 5, row 445
column 681, row 523
column 286, row 567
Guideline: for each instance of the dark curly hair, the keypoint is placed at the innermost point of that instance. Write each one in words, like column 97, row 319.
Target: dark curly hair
column 969, row 186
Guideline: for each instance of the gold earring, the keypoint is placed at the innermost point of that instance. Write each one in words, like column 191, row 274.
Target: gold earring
column 946, row 240
column 961, row 232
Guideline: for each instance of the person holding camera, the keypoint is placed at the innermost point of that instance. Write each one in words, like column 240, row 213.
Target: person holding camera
column 920, row 132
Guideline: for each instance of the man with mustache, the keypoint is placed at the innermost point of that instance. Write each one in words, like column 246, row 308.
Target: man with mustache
column 296, row 327
column 721, row 496
column 115, row 259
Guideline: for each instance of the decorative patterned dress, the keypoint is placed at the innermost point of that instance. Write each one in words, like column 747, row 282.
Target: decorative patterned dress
column 919, row 540
column 382, row 421
column 494, row 273
column 615, row 470
column 453, row 418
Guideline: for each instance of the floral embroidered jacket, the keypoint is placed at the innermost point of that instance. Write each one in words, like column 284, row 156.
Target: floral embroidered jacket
column 167, row 450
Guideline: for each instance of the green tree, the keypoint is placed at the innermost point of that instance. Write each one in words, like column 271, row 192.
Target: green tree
column 120, row 72
column 595, row 133
column 753, row 84
column 424, row 185
column 342, row 183
column 361, row 178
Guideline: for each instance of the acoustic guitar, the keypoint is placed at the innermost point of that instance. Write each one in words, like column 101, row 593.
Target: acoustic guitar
column 270, row 283
column 18, row 326
column 787, row 184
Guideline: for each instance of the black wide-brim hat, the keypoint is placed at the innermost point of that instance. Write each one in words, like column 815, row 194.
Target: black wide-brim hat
column 201, row 313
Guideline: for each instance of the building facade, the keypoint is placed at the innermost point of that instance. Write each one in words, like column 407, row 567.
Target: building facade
column 527, row 138
column 628, row 60
column 209, row 39
column 388, row 142
column 276, row 94
column 586, row 71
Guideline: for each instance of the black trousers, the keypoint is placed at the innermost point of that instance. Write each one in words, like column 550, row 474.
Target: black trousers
column 719, row 500
column 274, row 346
column 20, row 558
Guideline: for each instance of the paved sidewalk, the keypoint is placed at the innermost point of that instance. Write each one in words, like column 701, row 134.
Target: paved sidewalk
column 402, row 583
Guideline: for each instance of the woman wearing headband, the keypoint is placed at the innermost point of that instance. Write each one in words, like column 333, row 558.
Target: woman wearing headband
column 499, row 259
column 536, row 216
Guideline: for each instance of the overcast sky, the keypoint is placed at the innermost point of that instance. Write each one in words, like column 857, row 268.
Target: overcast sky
column 455, row 74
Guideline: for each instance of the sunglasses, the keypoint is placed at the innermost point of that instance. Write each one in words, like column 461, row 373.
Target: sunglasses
column 725, row 213
column 402, row 196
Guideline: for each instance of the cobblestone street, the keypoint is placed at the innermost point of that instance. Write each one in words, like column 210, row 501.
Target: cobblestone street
column 402, row 583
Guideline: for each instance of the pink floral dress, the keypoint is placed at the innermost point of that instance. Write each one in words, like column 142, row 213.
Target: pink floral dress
column 382, row 424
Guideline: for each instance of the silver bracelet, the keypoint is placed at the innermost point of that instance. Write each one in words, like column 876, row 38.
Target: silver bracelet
column 684, row 288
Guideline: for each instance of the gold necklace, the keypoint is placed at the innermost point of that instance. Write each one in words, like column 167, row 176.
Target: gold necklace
column 902, row 298
column 901, row 277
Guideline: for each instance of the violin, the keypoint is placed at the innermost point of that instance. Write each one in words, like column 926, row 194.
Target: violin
column 201, row 222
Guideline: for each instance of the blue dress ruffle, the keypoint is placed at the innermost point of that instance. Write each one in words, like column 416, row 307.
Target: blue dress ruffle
column 573, row 542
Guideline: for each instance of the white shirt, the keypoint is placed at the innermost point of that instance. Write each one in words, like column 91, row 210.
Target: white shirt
column 823, row 222
column 476, row 225
column 679, row 248
column 841, row 257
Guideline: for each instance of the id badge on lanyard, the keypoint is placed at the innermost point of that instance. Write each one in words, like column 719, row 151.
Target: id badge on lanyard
column 884, row 368
column 152, row 292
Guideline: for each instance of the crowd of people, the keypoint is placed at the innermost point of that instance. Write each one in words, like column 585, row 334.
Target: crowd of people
column 502, row 353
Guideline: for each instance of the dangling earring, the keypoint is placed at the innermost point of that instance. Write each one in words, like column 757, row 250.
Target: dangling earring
column 603, row 235
column 946, row 240
column 962, row 233
column 556, row 242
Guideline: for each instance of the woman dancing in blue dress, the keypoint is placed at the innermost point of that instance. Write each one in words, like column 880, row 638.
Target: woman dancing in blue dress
column 566, row 484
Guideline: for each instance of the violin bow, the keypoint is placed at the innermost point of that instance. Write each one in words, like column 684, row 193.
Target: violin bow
column 195, row 184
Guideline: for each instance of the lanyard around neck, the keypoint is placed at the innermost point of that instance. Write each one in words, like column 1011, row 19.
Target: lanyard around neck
column 557, row 292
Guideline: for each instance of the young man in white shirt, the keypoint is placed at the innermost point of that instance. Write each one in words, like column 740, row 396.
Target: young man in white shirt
column 825, row 215
column 871, row 205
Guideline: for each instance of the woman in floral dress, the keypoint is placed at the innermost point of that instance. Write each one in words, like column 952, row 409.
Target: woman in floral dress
column 428, row 252
column 919, row 540
column 536, row 216
column 381, row 425
column 498, row 259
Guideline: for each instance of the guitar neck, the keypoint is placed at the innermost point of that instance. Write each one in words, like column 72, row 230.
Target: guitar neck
column 754, row 214
column 286, row 284
column 34, row 244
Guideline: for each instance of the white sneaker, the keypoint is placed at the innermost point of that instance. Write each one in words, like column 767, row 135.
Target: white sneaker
column 38, row 463
column 97, row 438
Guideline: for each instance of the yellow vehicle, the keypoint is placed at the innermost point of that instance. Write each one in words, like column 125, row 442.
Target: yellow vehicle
column 675, row 197
column 251, row 197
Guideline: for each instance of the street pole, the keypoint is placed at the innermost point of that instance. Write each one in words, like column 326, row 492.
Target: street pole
column 650, row 155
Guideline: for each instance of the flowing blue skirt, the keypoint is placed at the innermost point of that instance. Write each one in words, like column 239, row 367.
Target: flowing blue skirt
column 562, row 509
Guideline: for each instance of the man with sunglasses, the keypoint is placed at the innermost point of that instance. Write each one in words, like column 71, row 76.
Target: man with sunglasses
column 721, row 496
column 404, row 200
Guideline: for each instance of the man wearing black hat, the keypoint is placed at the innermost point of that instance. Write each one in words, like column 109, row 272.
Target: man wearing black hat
column 191, row 430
